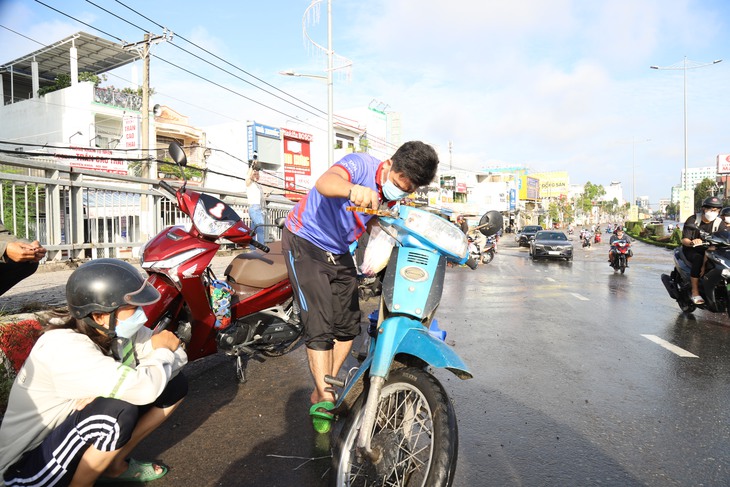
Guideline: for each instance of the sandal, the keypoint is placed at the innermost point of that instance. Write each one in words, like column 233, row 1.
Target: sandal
column 136, row 472
column 322, row 416
column 698, row 300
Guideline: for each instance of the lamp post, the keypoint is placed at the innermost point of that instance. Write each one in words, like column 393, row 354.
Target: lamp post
column 330, row 128
column 684, row 67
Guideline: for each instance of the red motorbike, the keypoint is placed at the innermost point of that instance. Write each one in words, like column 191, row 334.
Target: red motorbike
column 248, row 313
column 620, row 253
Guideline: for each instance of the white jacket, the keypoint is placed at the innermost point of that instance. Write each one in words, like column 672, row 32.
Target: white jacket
column 65, row 366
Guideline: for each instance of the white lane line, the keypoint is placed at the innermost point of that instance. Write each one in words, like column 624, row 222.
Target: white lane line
column 550, row 279
column 669, row 346
column 578, row 296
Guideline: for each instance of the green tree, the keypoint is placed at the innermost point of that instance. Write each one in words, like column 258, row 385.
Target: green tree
column 705, row 188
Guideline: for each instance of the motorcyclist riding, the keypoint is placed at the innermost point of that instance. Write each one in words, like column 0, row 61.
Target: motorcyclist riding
column 725, row 215
column 618, row 234
column 707, row 220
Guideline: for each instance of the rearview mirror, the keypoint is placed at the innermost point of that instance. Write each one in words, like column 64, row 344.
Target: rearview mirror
column 490, row 223
column 178, row 154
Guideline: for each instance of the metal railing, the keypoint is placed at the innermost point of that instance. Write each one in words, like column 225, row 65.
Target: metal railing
column 79, row 214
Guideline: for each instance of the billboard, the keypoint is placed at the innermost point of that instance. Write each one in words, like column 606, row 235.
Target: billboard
column 553, row 184
column 265, row 141
column 529, row 188
column 723, row 164
column 297, row 163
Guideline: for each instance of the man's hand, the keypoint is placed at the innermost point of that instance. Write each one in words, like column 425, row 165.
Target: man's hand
column 696, row 242
column 165, row 339
column 364, row 196
column 25, row 252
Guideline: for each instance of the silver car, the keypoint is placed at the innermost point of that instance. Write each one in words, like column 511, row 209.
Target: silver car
column 551, row 244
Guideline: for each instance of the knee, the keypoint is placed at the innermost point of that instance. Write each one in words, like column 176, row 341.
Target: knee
column 108, row 423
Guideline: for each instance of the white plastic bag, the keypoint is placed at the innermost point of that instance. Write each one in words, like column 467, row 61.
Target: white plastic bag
column 377, row 252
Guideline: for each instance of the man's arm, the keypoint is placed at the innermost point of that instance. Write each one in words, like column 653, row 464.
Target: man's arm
column 335, row 183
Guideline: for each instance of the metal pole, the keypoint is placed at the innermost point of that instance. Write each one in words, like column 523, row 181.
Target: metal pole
column 330, row 89
column 684, row 70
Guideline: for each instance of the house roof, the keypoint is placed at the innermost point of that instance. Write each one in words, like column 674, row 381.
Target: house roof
column 95, row 55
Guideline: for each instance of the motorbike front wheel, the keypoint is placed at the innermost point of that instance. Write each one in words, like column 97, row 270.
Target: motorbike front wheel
column 622, row 263
column 415, row 429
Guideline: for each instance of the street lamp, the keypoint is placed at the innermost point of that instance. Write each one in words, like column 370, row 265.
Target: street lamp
column 330, row 129
column 684, row 67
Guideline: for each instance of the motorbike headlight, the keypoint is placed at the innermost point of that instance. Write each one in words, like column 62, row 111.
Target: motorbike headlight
column 437, row 230
column 207, row 225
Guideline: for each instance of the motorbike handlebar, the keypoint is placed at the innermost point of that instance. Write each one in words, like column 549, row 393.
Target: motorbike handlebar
column 260, row 246
column 472, row 263
column 166, row 186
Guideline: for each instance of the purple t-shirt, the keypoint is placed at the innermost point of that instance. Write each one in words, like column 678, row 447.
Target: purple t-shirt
column 325, row 221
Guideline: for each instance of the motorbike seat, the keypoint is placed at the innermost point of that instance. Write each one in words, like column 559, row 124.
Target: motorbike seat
column 258, row 269
column 680, row 253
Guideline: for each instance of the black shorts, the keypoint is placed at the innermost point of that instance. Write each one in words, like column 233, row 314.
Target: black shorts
column 325, row 287
column 105, row 423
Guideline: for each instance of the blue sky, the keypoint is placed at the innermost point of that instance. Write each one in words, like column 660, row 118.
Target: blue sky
column 547, row 84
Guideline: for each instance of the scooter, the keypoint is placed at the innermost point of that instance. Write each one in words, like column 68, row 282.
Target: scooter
column 489, row 250
column 597, row 236
column 620, row 252
column 480, row 255
column 402, row 428
column 714, row 283
column 248, row 313
column 586, row 237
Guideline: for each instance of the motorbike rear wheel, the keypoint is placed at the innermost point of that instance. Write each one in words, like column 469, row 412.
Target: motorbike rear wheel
column 487, row 257
column 415, row 428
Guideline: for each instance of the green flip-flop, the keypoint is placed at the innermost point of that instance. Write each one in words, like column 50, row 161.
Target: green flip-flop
column 322, row 416
column 136, row 472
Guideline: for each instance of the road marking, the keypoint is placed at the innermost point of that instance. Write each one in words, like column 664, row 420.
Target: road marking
column 550, row 279
column 582, row 298
column 669, row 346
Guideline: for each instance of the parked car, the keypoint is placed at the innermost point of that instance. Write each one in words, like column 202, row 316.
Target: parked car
column 527, row 234
column 551, row 244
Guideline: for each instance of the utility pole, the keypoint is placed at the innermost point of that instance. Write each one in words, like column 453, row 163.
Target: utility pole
column 149, row 166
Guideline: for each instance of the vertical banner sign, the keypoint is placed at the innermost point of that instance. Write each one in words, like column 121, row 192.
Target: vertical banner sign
column 297, row 164
column 130, row 132
column 686, row 204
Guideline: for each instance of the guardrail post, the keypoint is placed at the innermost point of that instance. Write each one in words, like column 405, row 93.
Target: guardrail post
column 76, row 212
column 53, row 214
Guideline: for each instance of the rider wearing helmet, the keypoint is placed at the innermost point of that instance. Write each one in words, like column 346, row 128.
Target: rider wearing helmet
column 619, row 234
column 707, row 221
column 100, row 367
column 725, row 215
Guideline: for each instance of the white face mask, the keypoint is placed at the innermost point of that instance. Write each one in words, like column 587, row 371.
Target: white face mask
column 127, row 328
column 727, row 219
column 711, row 215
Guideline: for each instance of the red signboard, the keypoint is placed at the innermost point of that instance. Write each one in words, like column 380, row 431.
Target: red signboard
column 297, row 164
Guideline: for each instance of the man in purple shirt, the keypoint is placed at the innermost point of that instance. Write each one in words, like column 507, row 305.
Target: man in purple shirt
column 316, row 240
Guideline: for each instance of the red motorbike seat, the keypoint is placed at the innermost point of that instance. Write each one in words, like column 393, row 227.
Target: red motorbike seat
column 258, row 269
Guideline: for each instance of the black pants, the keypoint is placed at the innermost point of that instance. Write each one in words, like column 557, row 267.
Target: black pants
column 696, row 255
column 11, row 273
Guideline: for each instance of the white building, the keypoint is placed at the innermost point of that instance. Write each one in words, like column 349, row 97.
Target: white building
column 695, row 175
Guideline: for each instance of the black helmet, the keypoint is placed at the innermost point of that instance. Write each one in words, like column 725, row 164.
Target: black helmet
column 103, row 285
column 725, row 211
column 712, row 202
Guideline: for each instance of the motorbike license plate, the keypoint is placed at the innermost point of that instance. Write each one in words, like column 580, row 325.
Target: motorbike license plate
column 553, row 252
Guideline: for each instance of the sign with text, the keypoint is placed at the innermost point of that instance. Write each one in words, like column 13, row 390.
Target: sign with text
column 130, row 132
column 723, row 164
column 94, row 159
column 297, row 163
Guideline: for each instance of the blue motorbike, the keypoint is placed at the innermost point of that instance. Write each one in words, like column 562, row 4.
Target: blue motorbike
column 401, row 429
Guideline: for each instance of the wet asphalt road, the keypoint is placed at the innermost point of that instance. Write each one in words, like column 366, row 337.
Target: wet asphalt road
column 567, row 390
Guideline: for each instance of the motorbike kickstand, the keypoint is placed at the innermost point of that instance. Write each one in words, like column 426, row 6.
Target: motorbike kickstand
column 241, row 363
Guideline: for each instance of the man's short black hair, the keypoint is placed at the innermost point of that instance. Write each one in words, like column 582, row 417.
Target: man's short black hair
column 416, row 161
